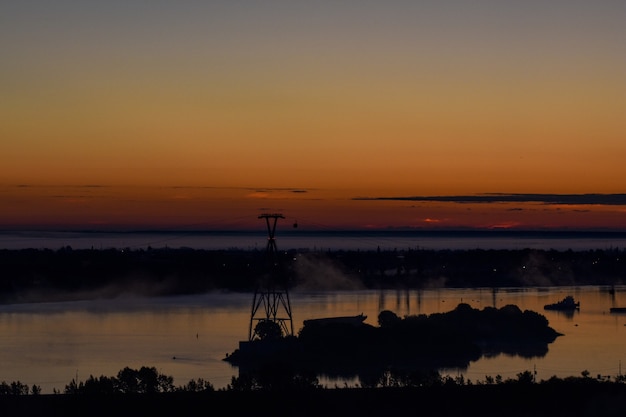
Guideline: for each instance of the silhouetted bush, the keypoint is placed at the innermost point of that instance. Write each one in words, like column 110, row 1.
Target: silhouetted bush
column 197, row 385
column 146, row 380
column 274, row 377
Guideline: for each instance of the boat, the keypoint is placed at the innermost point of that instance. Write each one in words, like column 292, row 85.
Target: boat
column 351, row 320
column 566, row 304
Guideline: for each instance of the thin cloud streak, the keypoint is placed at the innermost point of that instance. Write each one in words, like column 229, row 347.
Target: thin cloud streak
column 562, row 199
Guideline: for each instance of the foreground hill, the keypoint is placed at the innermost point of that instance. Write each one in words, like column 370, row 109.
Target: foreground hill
column 576, row 398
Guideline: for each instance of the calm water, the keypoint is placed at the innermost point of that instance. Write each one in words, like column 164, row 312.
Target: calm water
column 187, row 337
column 49, row 344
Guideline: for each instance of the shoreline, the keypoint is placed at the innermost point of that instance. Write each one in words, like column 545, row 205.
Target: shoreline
column 312, row 239
column 34, row 275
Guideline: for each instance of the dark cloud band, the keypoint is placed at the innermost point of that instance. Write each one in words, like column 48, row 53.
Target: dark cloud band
column 567, row 199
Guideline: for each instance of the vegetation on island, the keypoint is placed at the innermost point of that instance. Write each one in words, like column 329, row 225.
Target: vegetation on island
column 415, row 343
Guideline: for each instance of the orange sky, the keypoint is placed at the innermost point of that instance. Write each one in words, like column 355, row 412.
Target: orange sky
column 189, row 208
column 180, row 113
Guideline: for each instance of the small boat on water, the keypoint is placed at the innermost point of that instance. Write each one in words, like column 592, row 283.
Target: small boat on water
column 352, row 320
column 566, row 304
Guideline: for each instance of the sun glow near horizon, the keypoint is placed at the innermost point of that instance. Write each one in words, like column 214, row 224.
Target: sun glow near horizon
column 217, row 208
column 172, row 114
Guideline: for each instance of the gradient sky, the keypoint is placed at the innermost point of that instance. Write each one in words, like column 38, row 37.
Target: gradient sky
column 343, row 114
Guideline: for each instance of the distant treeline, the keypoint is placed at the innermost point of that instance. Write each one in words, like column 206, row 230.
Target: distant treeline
column 31, row 274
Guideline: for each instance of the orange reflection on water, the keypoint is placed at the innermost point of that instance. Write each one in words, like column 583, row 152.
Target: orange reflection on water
column 49, row 344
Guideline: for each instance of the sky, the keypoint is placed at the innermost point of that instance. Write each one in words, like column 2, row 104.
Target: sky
column 337, row 114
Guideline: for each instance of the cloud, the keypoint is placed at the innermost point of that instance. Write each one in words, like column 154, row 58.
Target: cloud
column 505, row 225
column 282, row 190
column 563, row 199
column 61, row 186
column 274, row 193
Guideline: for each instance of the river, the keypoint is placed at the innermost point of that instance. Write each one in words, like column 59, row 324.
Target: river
column 187, row 337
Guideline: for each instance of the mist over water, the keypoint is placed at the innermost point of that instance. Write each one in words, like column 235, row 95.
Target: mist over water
column 49, row 343
column 188, row 336
column 317, row 273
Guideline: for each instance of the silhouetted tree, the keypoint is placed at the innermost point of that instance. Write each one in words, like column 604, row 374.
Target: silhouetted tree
column 14, row 388
column 267, row 329
column 101, row 385
column 388, row 318
column 525, row 377
column 197, row 385
column 144, row 380
column 244, row 382
column 74, row 387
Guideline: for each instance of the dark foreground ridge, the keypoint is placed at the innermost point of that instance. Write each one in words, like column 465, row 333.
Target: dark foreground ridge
column 32, row 275
column 575, row 398
column 413, row 344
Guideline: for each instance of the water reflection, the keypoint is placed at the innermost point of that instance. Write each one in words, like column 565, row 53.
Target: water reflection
column 50, row 343
column 344, row 347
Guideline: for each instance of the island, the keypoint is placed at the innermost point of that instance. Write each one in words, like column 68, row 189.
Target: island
column 349, row 347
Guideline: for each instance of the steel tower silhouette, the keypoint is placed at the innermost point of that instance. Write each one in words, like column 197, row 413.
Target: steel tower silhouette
column 271, row 291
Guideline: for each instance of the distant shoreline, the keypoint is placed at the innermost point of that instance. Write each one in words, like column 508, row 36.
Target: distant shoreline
column 289, row 238
column 33, row 275
column 300, row 231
